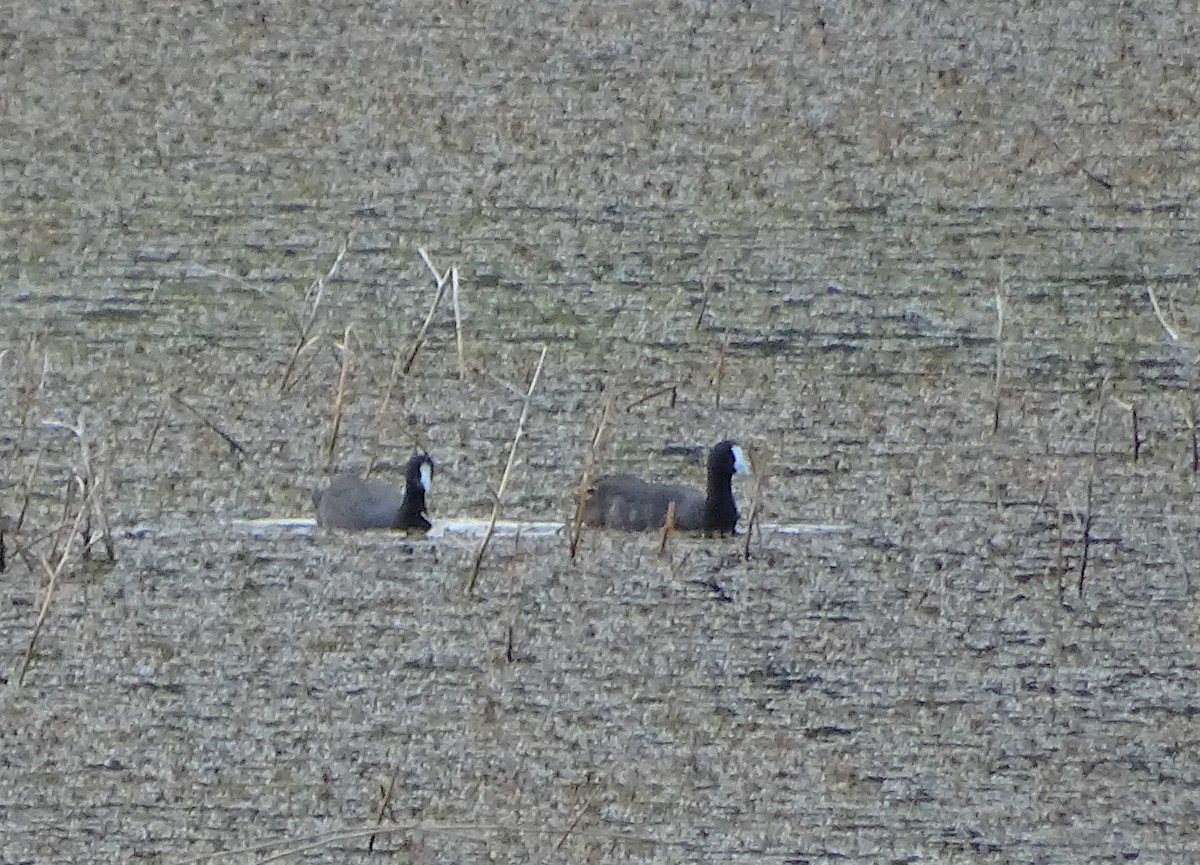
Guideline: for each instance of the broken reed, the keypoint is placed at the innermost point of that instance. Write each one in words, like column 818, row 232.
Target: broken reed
column 458, row 331
column 512, row 455
column 92, row 483
column 719, row 375
column 398, row 366
column 1088, row 514
column 306, row 336
column 758, row 470
column 1135, row 425
column 83, row 517
column 656, row 391
column 1189, row 420
column 708, row 285
column 1168, row 328
column 403, row 362
column 54, row 573
column 999, row 352
column 385, row 804
column 668, row 528
column 33, row 380
column 585, row 479
column 339, row 402
column 235, row 446
column 441, row 281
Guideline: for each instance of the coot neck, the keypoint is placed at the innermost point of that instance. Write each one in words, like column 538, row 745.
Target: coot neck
column 412, row 509
column 720, row 512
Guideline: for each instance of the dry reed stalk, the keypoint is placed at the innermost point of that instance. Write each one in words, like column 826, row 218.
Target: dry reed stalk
column 234, row 444
column 305, row 338
column 441, row 283
column 1195, row 450
column 512, row 455
column 585, row 479
column 393, row 377
column 677, row 565
column 1189, row 421
column 383, row 808
column 92, row 484
column 11, row 547
column 27, row 487
column 1060, row 556
column 756, row 495
column 1088, row 515
column 719, row 375
column 1173, row 543
column 158, row 422
column 999, row 352
column 7, row 525
column 96, row 484
column 1162, row 319
column 403, row 363
column 339, row 402
column 54, row 574
column 1135, row 425
column 1078, row 163
column 668, row 528
column 31, row 386
column 29, row 391
column 708, row 283
column 1038, row 508
column 458, row 330
column 583, row 809
column 672, row 389
column 68, row 502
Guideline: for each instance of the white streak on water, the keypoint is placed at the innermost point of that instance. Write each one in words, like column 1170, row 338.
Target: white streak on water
column 527, row 529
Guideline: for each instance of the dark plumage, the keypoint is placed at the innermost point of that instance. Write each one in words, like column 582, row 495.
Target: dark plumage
column 351, row 502
column 628, row 502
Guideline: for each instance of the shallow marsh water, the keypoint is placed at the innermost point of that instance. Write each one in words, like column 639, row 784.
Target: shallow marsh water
column 854, row 186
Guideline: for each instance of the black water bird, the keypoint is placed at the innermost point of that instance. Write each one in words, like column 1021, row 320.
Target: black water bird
column 351, row 502
column 628, row 502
